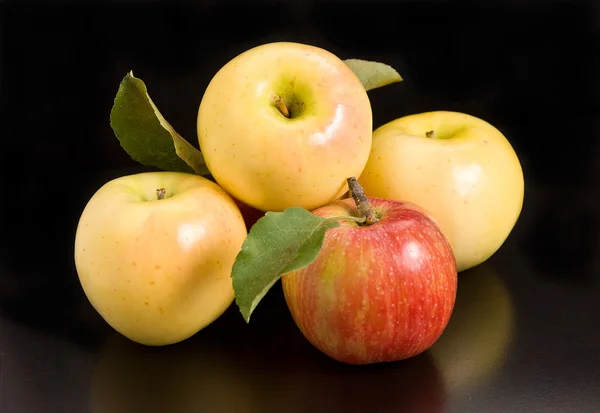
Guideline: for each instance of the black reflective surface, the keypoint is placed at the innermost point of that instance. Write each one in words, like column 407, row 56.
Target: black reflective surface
column 525, row 334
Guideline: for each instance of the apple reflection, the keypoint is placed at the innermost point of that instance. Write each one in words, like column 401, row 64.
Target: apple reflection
column 314, row 383
column 292, row 376
column 186, row 377
column 266, row 366
column 477, row 340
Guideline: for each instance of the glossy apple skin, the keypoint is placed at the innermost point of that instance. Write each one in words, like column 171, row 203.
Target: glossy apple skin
column 377, row 293
column 271, row 162
column 468, row 177
column 158, row 271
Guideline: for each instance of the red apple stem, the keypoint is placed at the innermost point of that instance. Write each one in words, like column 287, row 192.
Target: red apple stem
column 160, row 193
column 281, row 106
column 365, row 209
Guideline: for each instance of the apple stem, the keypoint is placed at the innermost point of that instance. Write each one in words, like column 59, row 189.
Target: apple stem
column 430, row 134
column 365, row 209
column 160, row 193
column 281, row 106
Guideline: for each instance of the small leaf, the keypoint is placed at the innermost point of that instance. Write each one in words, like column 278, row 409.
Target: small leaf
column 373, row 74
column 146, row 135
column 278, row 243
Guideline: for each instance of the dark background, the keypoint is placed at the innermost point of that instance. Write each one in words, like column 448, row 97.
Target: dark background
column 532, row 68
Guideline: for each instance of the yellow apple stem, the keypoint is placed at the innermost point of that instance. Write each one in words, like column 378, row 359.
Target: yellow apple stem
column 160, row 193
column 430, row 134
column 281, row 106
column 365, row 209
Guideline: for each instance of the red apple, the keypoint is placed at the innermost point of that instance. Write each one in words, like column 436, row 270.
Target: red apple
column 250, row 214
column 378, row 291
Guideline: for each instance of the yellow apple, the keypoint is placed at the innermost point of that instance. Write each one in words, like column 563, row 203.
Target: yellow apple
column 154, row 252
column 460, row 168
column 477, row 340
column 284, row 124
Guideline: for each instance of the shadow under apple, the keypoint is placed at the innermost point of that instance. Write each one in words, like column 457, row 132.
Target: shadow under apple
column 478, row 338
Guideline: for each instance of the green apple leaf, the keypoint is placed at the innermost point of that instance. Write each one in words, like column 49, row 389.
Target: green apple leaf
column 373, row 74
column 146, row 135
column 278, row 243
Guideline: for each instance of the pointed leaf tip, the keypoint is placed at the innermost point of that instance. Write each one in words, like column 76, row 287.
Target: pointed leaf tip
column 146, row 135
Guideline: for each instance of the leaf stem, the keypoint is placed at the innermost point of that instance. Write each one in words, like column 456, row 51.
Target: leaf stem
column 365, row 209
column 281, row 106
column 349, row 218
column 160, row 193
